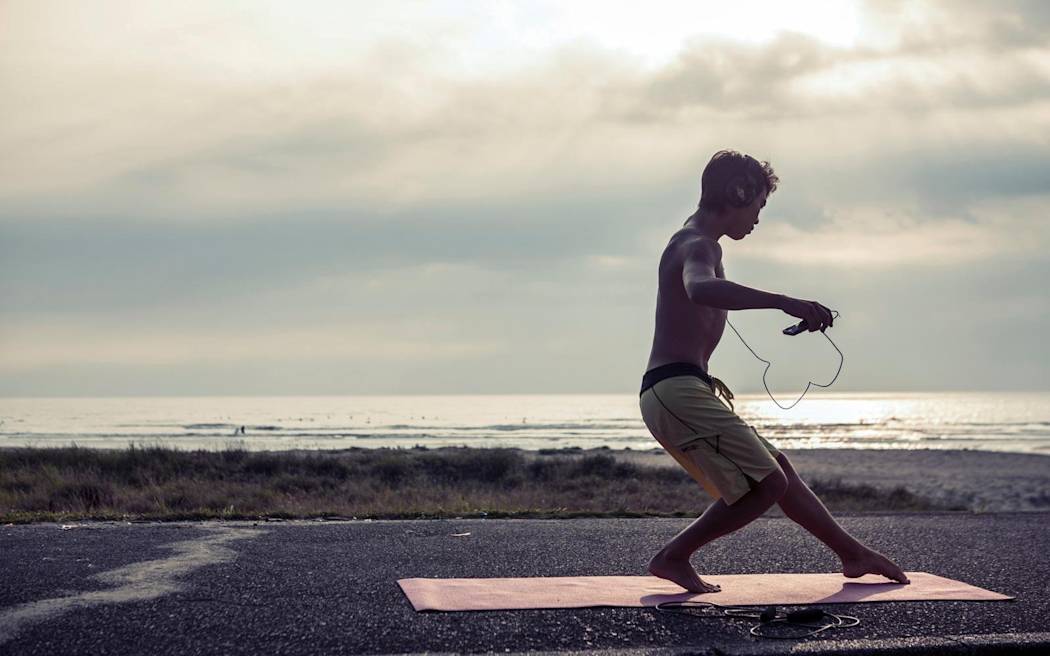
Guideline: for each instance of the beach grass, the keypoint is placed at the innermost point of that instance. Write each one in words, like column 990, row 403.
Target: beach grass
column 161, row 483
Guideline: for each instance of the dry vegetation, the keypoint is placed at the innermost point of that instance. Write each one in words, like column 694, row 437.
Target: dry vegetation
column 58, row 484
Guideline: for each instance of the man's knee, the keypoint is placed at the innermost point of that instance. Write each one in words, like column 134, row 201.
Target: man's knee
column 789, row 470
column 775, row 484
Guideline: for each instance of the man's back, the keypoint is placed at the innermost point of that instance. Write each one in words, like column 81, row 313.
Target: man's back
column 685, row 331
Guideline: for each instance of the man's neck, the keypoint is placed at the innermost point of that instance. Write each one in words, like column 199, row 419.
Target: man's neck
column 706, row 223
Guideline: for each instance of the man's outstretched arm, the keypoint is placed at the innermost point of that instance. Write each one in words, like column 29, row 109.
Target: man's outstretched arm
column 704, row 288
column 728, row 295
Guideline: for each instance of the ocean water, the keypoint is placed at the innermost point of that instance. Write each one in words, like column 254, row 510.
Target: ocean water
column 996, row 421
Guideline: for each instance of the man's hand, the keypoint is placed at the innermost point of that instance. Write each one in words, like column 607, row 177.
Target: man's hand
column 817, row 316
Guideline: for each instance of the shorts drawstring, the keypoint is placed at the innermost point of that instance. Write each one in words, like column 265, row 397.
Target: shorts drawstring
column 718, row 386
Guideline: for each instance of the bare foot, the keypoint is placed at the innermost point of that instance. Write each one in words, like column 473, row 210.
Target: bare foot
column 681, row 573
column 871, row 561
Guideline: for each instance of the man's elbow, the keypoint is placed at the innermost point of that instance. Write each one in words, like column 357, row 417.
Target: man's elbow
column 698, row 291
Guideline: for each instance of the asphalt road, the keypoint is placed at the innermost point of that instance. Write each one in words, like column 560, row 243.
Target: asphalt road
column 330, row 587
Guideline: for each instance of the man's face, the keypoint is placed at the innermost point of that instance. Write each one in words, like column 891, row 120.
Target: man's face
column 746, row 218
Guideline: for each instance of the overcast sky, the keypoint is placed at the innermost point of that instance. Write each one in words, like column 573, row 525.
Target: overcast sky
column 472, row 197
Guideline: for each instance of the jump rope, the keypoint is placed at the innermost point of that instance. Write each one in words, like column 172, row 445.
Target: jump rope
column 805, row 618
column 741, row 191
column 793, row 330
column 815, row 619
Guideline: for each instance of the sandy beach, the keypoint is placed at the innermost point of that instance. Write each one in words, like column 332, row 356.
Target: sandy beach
column 984, row 481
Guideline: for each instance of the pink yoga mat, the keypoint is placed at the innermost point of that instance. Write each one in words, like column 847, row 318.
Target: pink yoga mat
column 737, row 589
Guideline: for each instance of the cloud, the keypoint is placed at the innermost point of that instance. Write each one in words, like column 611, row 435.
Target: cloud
column 52, row 344
column 212, row 196
column 880, row 237
column 389, row 130
column 934, row 25
column 90, row 265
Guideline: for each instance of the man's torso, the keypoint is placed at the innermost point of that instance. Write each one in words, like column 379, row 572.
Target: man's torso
column 685, row 331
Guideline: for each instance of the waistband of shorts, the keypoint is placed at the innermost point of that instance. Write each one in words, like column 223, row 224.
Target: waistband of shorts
column 656, row 374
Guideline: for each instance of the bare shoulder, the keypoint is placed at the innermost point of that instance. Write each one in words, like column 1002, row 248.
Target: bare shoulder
column 695, row 246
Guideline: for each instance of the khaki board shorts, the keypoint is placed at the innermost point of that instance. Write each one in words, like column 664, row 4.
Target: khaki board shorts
column 718, row 449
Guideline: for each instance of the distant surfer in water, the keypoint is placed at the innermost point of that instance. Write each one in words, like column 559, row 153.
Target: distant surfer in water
column 679, row 398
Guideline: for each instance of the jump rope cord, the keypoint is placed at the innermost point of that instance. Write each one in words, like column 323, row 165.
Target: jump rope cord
column 842, row 359
column 766, row 617
column 770, row 615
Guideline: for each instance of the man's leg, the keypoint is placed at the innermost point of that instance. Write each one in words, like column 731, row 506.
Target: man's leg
column 672, row 562
column 805, row 508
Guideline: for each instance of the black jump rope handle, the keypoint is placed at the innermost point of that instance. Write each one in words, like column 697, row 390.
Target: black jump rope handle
column 801, row 327
column 802, row 615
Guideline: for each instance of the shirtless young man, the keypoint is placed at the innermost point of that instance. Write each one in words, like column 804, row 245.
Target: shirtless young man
column 737, row 466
